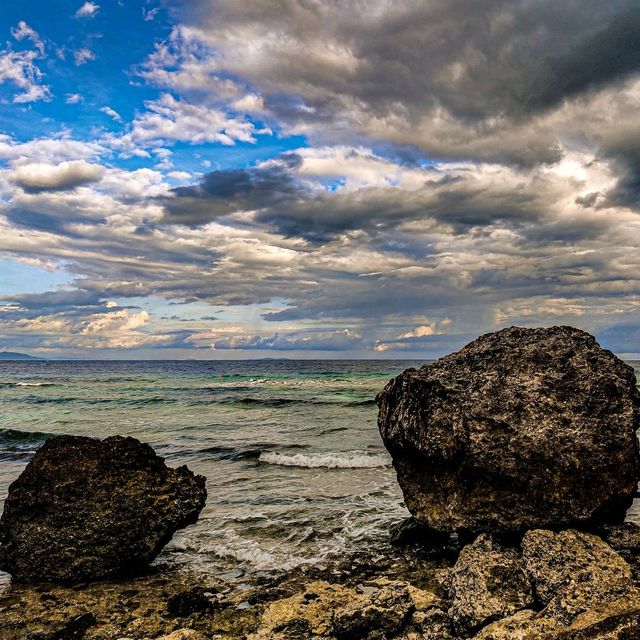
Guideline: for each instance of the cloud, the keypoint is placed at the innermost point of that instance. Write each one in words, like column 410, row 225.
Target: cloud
column 82, row 56
column 73, row 98
column 87, row 10
column 339, row 340
column 457, row 81
column 23, row 30
column 19, row 68
column 35, row 177
column 112, row 113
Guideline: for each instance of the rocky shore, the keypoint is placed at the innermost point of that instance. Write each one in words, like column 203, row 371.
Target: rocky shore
column 568, row 585
column 517, row 457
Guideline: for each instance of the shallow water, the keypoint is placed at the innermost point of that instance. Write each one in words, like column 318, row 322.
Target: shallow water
column 296, row 471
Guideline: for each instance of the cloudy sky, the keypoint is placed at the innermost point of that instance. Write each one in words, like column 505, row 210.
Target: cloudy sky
column 316, row 178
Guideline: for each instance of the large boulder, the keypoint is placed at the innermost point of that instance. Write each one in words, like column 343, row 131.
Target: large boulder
column 86, row 509
column 521, row 429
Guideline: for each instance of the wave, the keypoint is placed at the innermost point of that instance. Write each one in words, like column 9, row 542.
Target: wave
column 248, row 452
column 343, row 460
column 20, row 445
column 285, row 402
column 27, row 384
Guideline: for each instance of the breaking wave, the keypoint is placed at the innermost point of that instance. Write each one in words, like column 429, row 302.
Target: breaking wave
column 346, row 460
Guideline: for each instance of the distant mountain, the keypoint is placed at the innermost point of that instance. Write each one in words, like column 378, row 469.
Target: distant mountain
column 11, row 355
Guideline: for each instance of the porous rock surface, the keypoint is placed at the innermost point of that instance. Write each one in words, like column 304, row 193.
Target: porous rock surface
column 86, row 509
column 521, row 429
column 574, row 572
column 487, row 582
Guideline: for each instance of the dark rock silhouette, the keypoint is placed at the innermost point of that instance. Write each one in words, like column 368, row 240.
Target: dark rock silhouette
column 521, row 429
column 85, row 509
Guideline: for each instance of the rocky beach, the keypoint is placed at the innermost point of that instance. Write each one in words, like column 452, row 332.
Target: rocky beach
column 518, row 461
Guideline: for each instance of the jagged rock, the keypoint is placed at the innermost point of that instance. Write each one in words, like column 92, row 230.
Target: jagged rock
column 412, row 531
column 309, row 612
column 432, row 624
column 384, row 611
column 623, row 538
column 184, row 634
column 85, row 509
column 74, row 629
column 523, row 428
column 556, row 562
column 337, row 611
column 183, row 604
column 488, row 582
column 523, row 625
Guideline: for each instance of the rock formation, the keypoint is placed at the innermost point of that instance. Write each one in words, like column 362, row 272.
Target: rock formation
column 488, row 582
column 521, row 429
column 85, row 509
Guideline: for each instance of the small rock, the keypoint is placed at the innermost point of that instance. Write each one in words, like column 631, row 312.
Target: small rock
column 487, row 582
column 315, row 606
column 185, row 603
column 87, row 509
column 623, row 538
column 184, row 634
column 523, row 625
column 74, row 629
column 384, row 611
column 411, row 531
column 433, row 624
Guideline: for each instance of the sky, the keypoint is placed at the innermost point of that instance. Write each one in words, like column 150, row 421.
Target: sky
column 216, row 179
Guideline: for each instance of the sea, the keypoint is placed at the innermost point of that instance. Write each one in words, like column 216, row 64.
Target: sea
column 296, row 471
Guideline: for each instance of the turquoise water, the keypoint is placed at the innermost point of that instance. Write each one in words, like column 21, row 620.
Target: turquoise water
column 296, row 471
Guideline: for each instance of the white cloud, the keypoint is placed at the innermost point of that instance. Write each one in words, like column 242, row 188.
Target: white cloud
column 87, row 10
column 112, row 113
column 19, row 68
column 23, row 30
column 82, row 56
column 51, row 177
column 169, row 119
column 73, row 98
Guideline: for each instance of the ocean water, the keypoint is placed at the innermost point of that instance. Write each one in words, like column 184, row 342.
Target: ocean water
column 296, row 470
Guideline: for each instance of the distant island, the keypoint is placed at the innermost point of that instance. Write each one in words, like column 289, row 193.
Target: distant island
column 12, row 355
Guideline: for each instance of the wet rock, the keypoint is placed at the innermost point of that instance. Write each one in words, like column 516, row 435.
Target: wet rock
column 623, row 538
column 183, row 604
column 74, row 629
column 384, row 611
column 85, row 509
column 412, row 531
column 487, row 582
column 432, row 624
column 522, row 428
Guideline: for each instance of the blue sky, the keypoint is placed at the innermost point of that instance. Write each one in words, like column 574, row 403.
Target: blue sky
column 214, row 179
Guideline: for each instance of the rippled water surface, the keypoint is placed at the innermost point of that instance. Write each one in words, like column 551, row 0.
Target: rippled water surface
column 295, row 468
column 296, row 471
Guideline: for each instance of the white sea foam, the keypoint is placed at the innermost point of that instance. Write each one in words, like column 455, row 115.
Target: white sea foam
column 345, row 460
column 27, row 384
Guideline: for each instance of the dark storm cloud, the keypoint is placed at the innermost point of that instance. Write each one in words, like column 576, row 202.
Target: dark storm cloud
column 283, row 202
column 52, row 302
column 456, row 78
column 220, row 193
